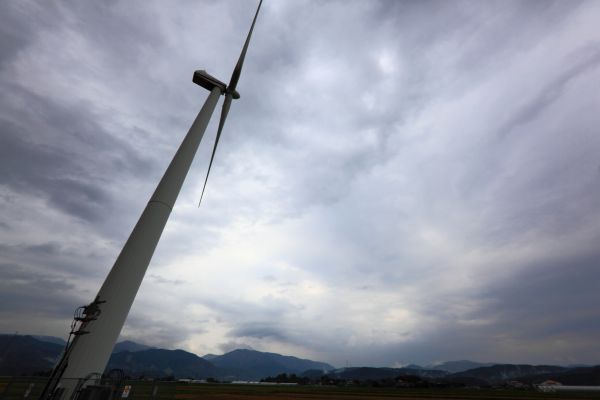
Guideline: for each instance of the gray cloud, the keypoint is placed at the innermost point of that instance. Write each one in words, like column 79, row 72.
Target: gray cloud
column 233, row 345
column 146, row 329
column 23, row 291
column 68, row 179
column 586, row 58
column 556, row 294
column 260, row 331
column 399, row 182
column 161, row 279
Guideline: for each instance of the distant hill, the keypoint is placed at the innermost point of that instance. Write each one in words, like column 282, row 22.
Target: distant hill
column 128, row 345
column 235, row 365
column 24, row 355
column 581, row 376
column 251, row 364
column 50, row 339
column 572, row 376
column 160, row 363
column 27, row 355
column 372, row 373
column 502, row 372
column 458, row 366
column 496, row 375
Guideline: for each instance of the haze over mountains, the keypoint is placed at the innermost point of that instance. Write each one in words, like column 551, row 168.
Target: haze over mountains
column 28, row 355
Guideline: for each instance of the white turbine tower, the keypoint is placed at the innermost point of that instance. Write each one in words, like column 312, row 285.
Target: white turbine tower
column 101, row 321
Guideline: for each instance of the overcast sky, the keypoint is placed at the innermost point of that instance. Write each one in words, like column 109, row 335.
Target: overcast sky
column 399, row 182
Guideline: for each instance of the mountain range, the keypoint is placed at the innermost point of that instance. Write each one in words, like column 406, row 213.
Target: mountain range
column 495, row 375
column 158, row 363
column 457, row 366
column 371, row 373
column 128, row 345
column 29, row 355
column 25, row 355
column 254, row 365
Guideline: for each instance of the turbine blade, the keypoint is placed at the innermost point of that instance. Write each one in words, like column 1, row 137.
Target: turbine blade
column 235, row 76
column 224, row 112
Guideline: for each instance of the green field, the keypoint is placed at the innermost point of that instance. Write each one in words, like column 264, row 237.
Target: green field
column 233, row 392
column 22, row 389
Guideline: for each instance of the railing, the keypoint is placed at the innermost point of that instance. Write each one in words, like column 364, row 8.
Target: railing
column 30, row 388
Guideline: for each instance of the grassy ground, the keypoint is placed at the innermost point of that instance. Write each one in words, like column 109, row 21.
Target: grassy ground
column 22, row 389
column 248, row 392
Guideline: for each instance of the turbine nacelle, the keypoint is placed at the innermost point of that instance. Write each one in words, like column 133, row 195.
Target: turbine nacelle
column 209, row 82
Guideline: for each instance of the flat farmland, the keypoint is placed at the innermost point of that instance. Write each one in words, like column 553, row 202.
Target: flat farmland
column 240, row 392
column 29, row 388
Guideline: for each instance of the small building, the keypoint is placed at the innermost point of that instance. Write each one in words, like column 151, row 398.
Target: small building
column 550, row 382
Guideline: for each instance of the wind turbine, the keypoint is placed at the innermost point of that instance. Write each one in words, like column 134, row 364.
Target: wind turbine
column 96, row 326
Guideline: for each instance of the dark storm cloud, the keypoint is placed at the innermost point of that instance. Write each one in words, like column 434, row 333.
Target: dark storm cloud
column 19, row 27
column 111, row 27
column 123, row 33
column 328, row 175
column 41, row 285
column 53, row 259
column 55, row 150
column 11, row 39
column 540, row 315
column 549, row 299
column 22, row 292
column 417, row 179
column 71, row 164
column 34, row 168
